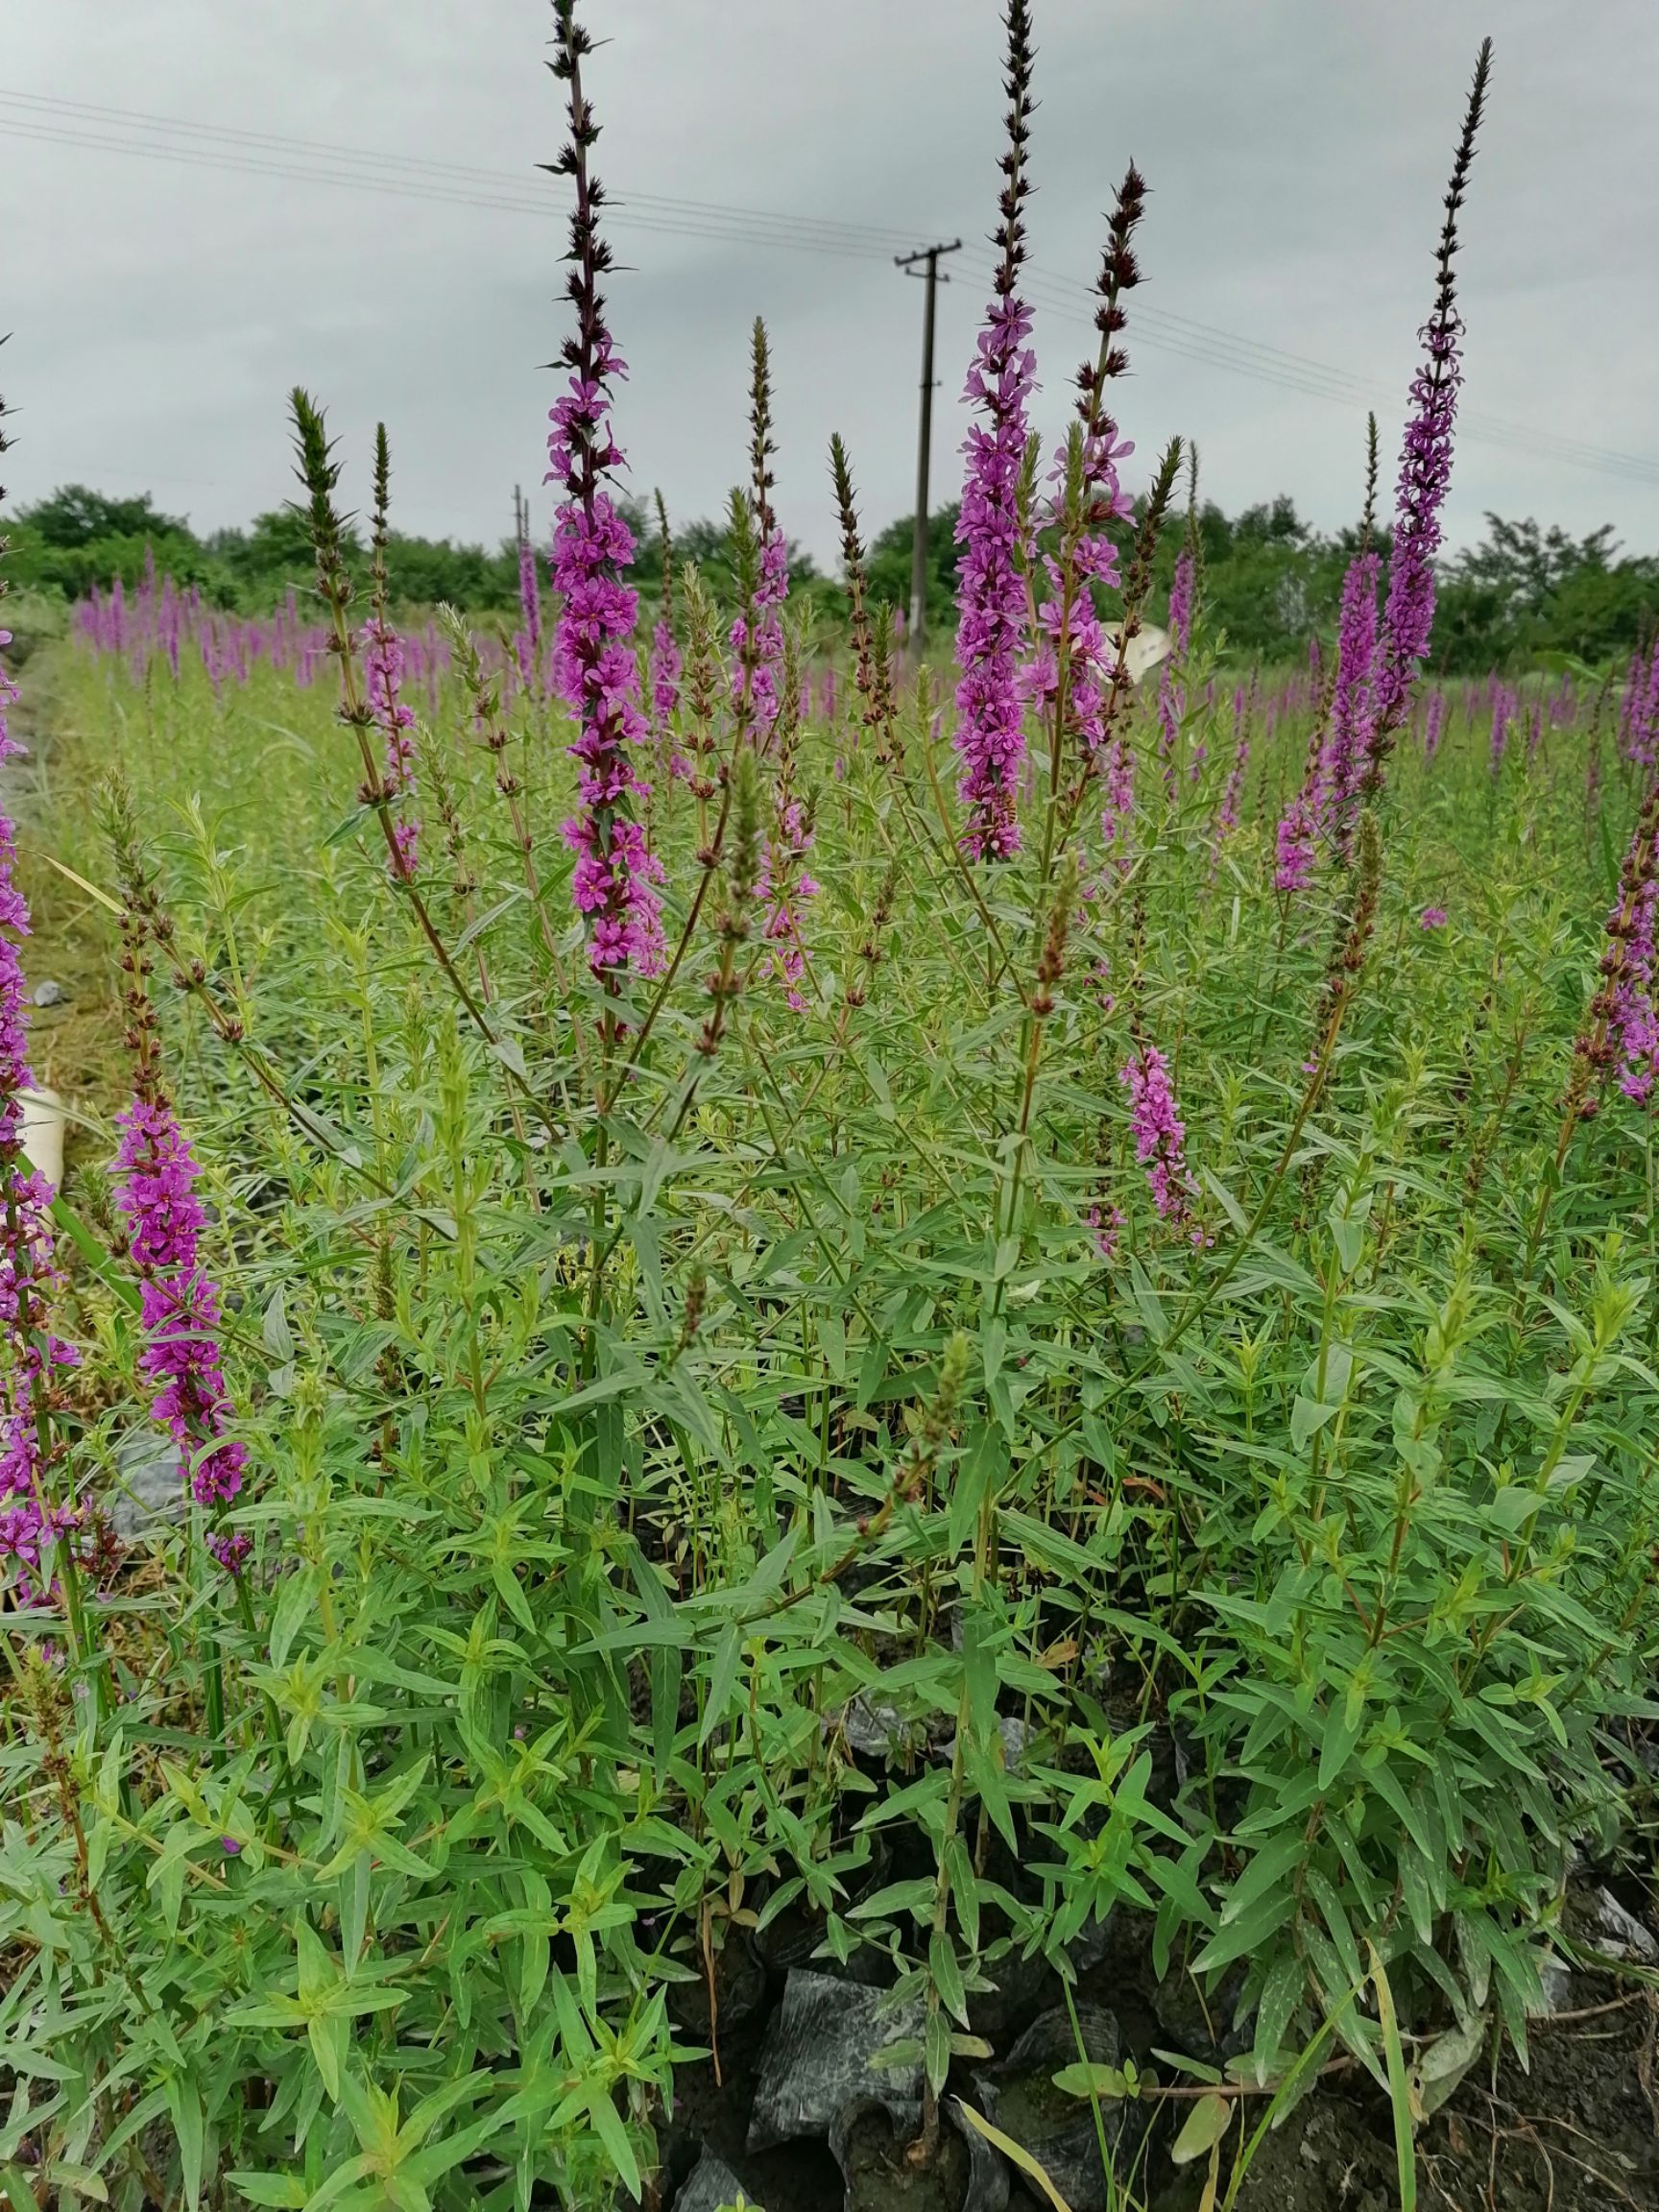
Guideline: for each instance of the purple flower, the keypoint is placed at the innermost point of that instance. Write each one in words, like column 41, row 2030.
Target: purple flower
column 1227, row 816
column 1171, row 694
column 1118, row 783
column 382, row 652
column 1503, row 711
column 1351, row 703
column 783, row 888
column 1434, row 724
column 1160, row 1137
column 527, row 645
column 1107, row 1223
column 757, row 637
column 1298, row 825
column 615, row 877
column 1425, row 470
column 665, row 667
column 30, row 1524
column 1639, row 718
column 991, row 604
column 1433, row 918
column 1067, row 620
column 155, row 1175
column 1635, row 1017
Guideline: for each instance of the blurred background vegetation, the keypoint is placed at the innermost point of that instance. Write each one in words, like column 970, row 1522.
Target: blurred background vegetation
column 1524, row 593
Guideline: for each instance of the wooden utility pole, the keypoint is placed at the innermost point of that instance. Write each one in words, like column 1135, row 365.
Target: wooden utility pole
column 929, row 256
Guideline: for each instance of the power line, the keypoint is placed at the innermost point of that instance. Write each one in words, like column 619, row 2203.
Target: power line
column 878, row 236
column 1341, row 389
column 296, row 160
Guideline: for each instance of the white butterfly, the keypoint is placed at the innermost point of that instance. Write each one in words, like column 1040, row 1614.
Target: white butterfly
column 1148, row 649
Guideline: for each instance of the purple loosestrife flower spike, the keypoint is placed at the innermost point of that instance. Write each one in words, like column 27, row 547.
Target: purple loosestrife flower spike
column 1350, row 702
column 615, row 877
column 1171, row 697
column 757, row 633
column 991, row 603
column 528, row 642
column 1638, row 726
column 1298, row 833
column 383, row 662
column 155, row 1175
column 666, row 661
column 30, row 1524
column 1071, row 675
column 1425, row 470
column 1434, row 724
column 1227, row 814
column 1160, row 1136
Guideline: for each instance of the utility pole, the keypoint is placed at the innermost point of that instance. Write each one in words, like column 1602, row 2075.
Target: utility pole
column 929, row 255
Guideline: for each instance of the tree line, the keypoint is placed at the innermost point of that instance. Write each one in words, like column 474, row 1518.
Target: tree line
column 1271, row 579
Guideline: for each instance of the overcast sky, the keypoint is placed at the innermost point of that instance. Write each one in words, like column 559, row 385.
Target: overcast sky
column 1296, row 152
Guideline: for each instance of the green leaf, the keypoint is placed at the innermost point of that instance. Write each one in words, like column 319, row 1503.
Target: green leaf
column 982, row 1466
column 1399, row 2090
column 295, row 1604
column 936, row 2051
column 1205, row 2124
column 184, row 2104
column 947, row 1975
column 1306, row 1418
column 20, row 2194
column 1085, row 2079
column 286, row 2191
column 1341, row 1734
column 722, row 1680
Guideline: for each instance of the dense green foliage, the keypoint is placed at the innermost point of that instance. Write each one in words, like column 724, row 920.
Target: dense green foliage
column 1522, row 596
column 77, row 540
column 693, row 1487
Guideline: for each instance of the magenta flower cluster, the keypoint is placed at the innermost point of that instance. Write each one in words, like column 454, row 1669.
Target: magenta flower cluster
column 758, row 637
column 1434, row 724
column 156, row 1176
column 783, row 888
column 30, row 1525
column 1171, row 694
column 1639, row 717
column 615, row 878
column 1350, row 702
column 1297, row 839
column 527, row 640
column 1424, row 478
column 383, row 675
column 1070, row 624
column 1227, row 816
column 991, row 626
column 1160, row 1137
column 1635, row 1012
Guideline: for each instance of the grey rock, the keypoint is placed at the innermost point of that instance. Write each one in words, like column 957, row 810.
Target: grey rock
column 1015, row 1734
column 50, row 993
column 151, row 1486
column 1555, row 1978
column 877, row 1729
column 819, row 2056
column 1622, row 1935
column 710, row 2184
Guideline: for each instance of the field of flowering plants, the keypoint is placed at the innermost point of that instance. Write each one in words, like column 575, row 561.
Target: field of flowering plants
column 808, row 1432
